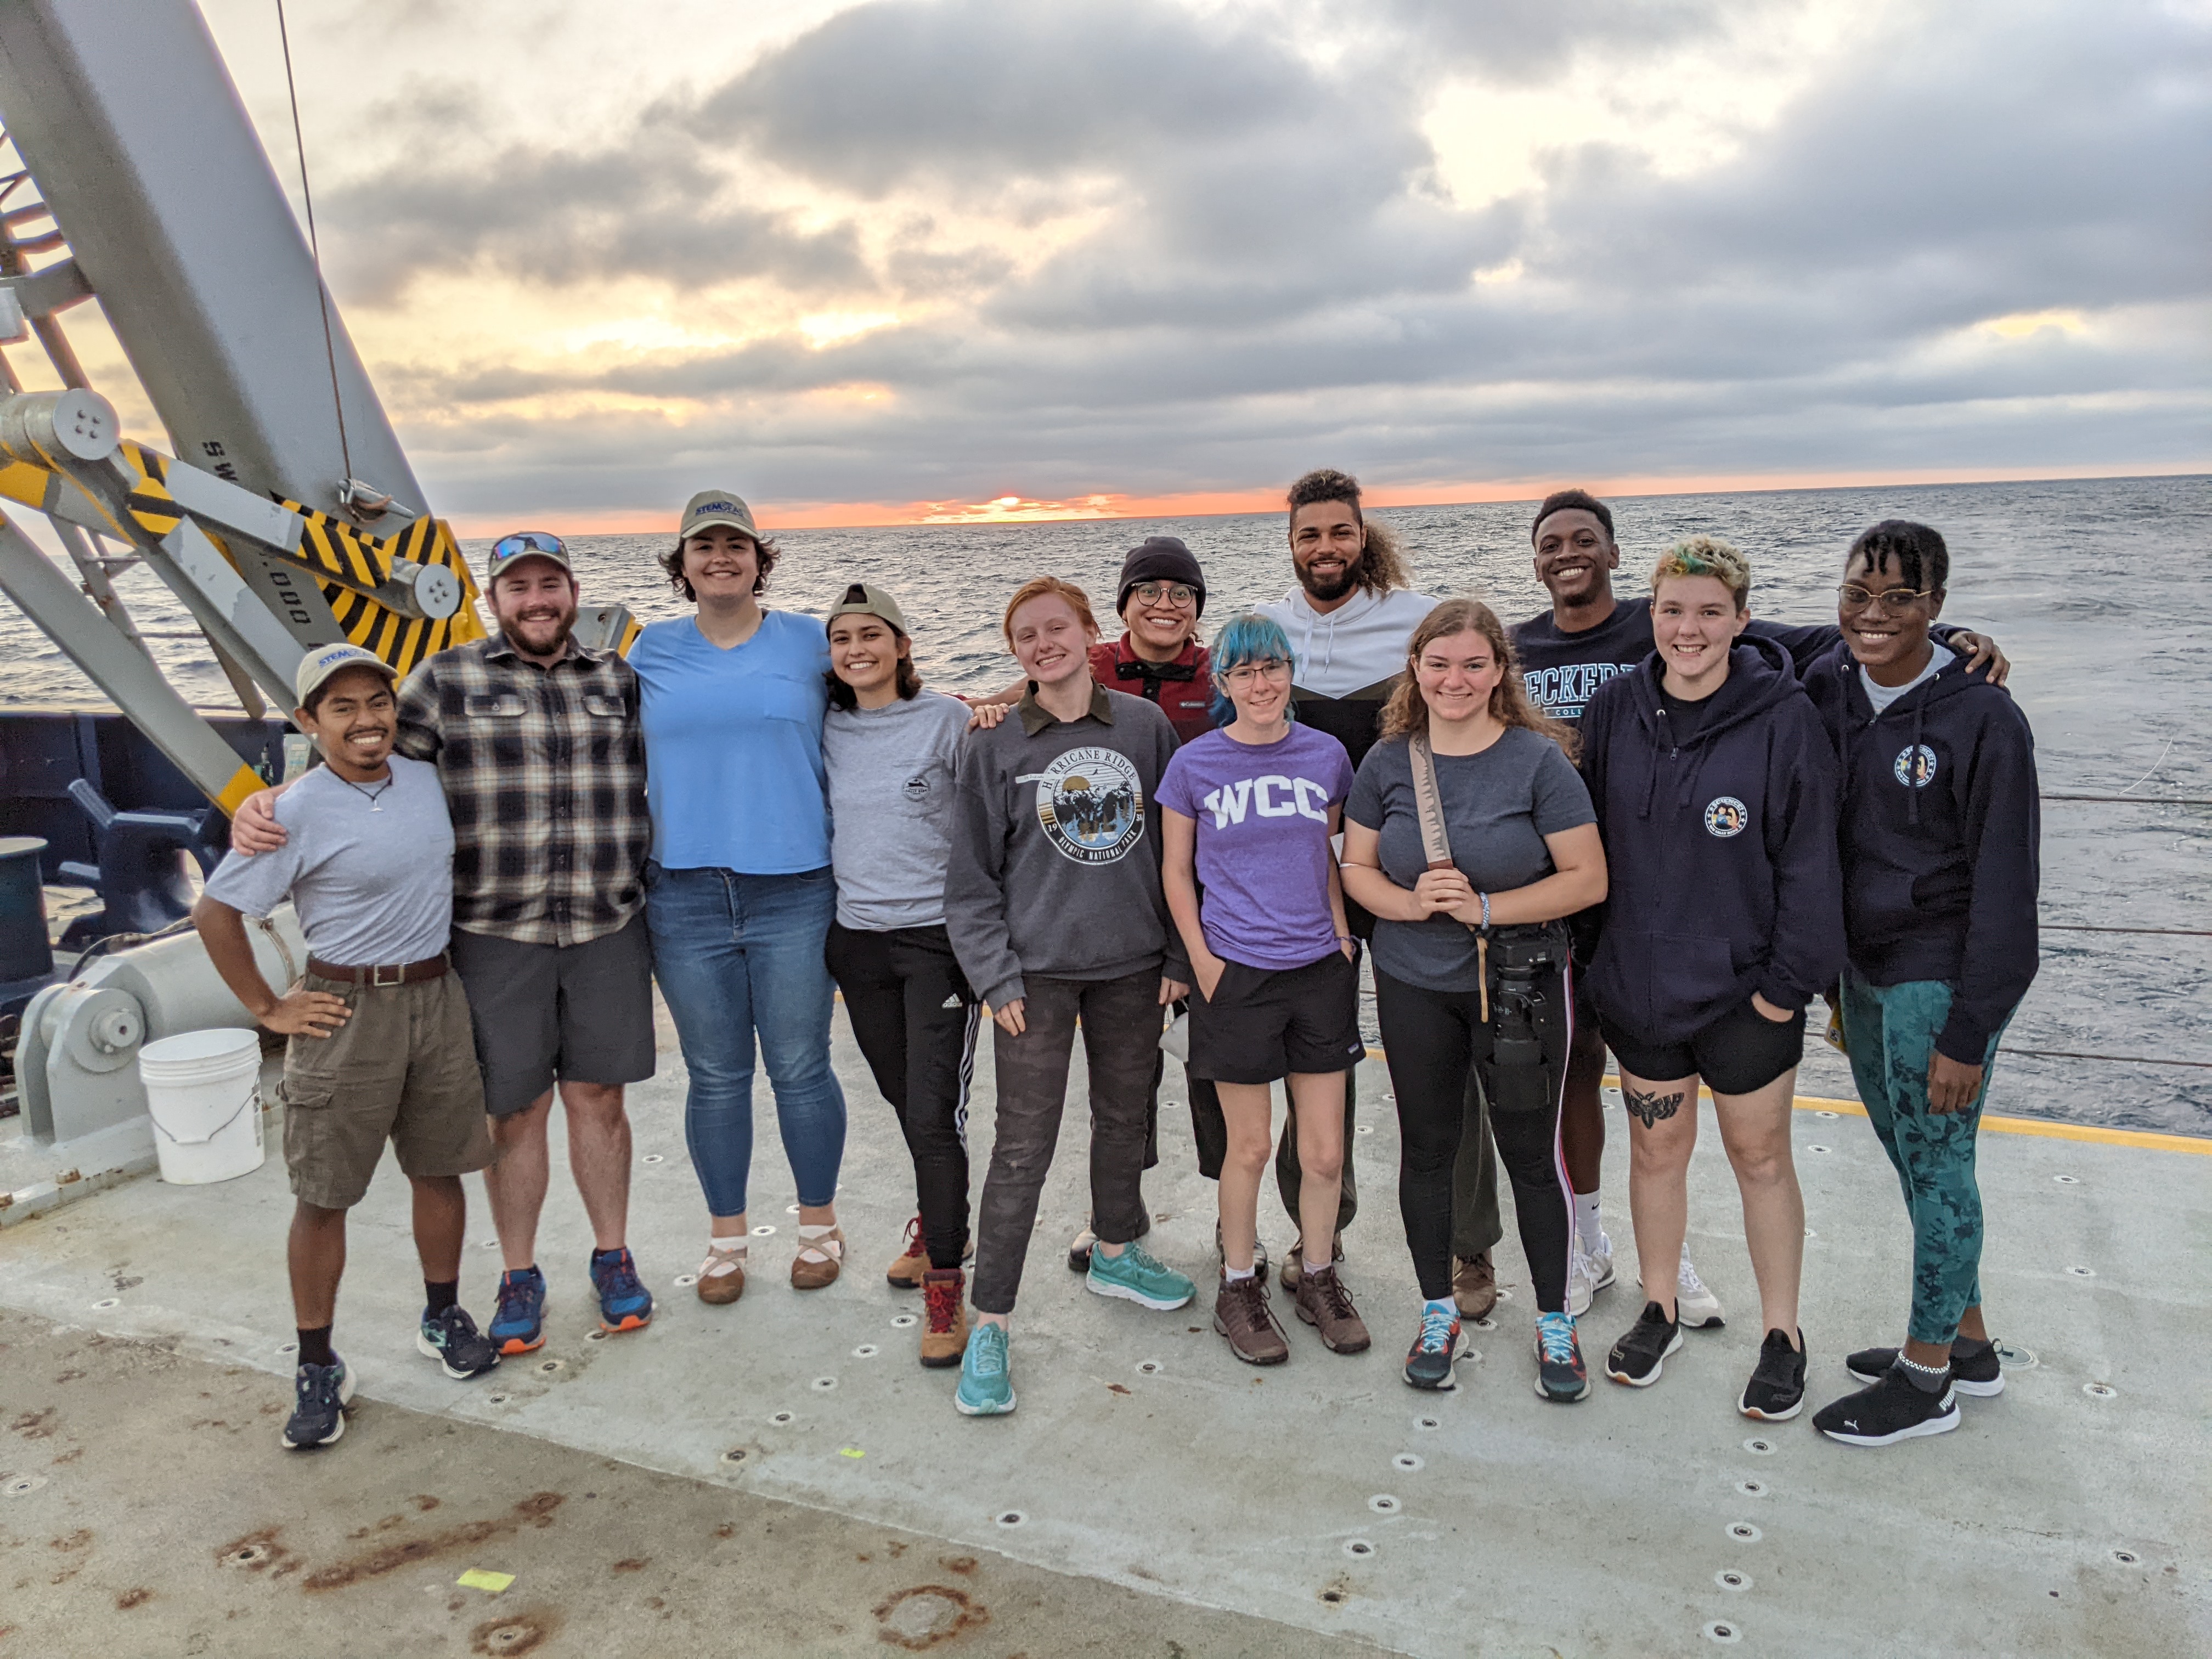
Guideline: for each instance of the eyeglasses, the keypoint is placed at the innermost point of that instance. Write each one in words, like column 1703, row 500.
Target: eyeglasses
column 525, row 542
column 1245, row 673
column 1855, row 598
column 1175, row 594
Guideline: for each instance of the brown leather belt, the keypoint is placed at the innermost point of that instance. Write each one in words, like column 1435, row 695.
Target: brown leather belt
column 401, row 973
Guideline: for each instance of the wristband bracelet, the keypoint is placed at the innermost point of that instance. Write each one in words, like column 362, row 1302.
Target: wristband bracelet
column 1485, row 897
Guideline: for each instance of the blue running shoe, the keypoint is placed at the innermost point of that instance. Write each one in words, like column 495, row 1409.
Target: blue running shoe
column 1429, row 1364
column 1560, row 1374
column 624, row 1302
column 518, row 1324
column 451, row 1339
column 318, row 1409
column 1136, row 1275
column 987, row 1384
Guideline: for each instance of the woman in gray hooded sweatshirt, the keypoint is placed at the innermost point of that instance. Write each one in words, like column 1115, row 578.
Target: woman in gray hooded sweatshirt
column 1053, row 904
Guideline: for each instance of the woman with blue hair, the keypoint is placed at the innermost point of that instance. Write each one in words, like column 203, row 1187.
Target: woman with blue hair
column 1247, row 812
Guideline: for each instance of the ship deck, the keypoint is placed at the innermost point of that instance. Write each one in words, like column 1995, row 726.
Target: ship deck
column 1150, row 1495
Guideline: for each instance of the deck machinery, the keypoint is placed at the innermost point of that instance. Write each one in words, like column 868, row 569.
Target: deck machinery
column 284, row 514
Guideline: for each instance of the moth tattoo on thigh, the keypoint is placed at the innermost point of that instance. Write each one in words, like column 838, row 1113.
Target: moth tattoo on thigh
column 1652, row 1107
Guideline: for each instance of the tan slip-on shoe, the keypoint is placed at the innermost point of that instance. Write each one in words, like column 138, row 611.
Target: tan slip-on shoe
column 818, row 1262
column 721, row 1276
column 945, row 1317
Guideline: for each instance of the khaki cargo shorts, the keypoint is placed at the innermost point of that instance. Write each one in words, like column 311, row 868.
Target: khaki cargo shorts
column 402, row 1069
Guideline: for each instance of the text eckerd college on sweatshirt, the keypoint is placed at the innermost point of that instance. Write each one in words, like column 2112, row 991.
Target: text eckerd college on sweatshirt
column 1056, row 867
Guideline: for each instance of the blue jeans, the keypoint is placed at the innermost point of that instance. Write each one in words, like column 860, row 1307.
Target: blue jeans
column 739, row 956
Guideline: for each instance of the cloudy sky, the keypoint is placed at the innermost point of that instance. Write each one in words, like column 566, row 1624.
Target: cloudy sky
column 913, row 259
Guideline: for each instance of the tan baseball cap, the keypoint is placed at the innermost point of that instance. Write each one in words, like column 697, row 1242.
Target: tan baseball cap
column 325, row 660
column 713, row 506
column 866, row 600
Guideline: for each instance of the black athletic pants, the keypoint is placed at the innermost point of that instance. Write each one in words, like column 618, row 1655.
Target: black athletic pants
column 1433, row 1040
column 915, row 1021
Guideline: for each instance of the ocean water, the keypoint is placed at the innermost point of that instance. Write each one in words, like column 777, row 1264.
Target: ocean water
column 2098, row 591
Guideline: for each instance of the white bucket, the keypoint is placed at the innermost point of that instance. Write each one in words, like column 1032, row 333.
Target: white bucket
column 204, row 1089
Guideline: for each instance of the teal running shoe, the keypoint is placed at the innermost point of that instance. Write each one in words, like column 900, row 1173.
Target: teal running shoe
column 987, row 1385
column 1137, row 1275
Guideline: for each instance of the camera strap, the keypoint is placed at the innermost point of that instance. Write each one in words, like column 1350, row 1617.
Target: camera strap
column 1435, row 844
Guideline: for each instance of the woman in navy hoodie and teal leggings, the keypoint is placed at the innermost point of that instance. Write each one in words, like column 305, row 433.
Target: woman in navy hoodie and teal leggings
column 1715, row 788
column 1938, row 834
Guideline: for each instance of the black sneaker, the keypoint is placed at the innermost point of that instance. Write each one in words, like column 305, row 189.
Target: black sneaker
column 1636, row 1358
column 1979, row 1375
column 1892, row 1410
column 320, row 1397
column 1429, row 1364
column 451, row 1339
column 1776, row 1392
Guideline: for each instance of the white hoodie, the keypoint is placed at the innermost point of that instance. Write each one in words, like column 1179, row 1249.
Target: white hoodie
column 1354, row 647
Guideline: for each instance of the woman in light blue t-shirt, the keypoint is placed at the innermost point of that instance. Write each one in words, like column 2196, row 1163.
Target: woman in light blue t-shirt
column 738, row 891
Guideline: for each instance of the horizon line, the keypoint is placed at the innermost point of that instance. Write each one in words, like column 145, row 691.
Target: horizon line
column 1014, row 509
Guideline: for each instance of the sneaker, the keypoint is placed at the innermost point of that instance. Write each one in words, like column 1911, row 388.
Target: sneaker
column 1474, row 1285
column 1560, row 1374
column 1325, row 1303
column 1637, row 1357
column 451, row 1339
column 320, row 1396
column 987, row 1385
column 1590, row 1272
column 1294, row 1262
column 1428, row 1362
column 1978, row 1375
column 624, row 1302
column 1696, row 1308
column 1891, row 1410
column 1776, row 1392
column 1136, row 1275
column 906, row 1271
column 1260, row 1263
column 518, row 1324
column 1241, row 1313
column 945, row 1316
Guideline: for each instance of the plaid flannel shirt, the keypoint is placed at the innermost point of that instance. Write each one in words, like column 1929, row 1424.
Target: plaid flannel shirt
column 544, row 775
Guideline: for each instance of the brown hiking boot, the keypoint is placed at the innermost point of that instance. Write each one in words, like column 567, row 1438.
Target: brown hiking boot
column 906, row 1272
column 1325, row 1304
column 1474, row 1285
column 945, row 1316
column 1241, row 1313
column 1294, row 1262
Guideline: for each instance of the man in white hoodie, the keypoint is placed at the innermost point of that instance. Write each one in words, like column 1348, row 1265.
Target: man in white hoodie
column 1348, row 621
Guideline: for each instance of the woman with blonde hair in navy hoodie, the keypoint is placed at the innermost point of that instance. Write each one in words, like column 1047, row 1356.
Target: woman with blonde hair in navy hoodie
column 1715, row 789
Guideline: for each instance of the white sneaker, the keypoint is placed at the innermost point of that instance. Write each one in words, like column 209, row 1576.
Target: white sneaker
column 1695, row 1307
column 1591, row 1272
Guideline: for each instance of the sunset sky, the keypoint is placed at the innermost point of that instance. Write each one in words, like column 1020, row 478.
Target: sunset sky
column 910, row 259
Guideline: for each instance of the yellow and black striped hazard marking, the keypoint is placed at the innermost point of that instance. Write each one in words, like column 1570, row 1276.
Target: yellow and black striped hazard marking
column 332, row 544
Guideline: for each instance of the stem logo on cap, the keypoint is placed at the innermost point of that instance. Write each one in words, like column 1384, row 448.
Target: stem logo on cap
column 717, row 507
column 320, row 663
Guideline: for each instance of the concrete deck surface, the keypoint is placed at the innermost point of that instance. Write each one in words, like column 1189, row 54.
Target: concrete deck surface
column 1150, row 1490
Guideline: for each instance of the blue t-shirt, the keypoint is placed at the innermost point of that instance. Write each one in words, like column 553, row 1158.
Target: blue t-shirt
column 1263, row 851
column 733, row 771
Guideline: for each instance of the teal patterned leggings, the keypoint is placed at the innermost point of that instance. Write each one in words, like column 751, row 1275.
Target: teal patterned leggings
column 1890, row 1030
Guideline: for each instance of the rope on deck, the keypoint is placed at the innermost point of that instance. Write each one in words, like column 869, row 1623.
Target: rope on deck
column 2117, row 1059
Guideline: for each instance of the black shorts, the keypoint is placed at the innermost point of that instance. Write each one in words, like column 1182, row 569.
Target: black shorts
column 1738, row 1053
column 582, row 1013
column 1262, row 1025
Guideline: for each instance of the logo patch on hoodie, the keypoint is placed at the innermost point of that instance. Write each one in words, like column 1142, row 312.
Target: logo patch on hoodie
column 1726, row 816
column 1915, row 766
column 1091, row 806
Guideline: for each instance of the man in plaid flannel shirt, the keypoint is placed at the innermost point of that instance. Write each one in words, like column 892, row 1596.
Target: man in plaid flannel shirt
column 536, row 743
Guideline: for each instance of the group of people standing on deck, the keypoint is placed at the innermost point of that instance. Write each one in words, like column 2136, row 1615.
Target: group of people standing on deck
column 1650, row 824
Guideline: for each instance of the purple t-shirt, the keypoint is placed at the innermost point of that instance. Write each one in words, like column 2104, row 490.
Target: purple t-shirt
column 1263, row 851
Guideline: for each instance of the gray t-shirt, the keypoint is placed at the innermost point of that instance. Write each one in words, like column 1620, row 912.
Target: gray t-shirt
column 372, row 880
column 893, row 772
column 1939, row 658
column 1498, row 807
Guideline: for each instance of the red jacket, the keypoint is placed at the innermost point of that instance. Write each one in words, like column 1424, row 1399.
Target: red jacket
column 1183, row 688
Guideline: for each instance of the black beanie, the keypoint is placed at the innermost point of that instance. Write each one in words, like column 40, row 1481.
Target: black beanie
column 1160, row 559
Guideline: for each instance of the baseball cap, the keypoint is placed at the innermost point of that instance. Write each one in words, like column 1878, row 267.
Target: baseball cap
column 866, row 600
column 510, row 550
column 325, row 660
column 713, row 507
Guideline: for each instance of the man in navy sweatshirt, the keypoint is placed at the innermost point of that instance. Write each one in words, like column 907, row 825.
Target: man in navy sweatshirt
column 1939, row 833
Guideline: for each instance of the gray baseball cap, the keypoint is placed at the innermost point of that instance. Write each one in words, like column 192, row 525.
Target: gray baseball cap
column 325, row 660
column 866, row 600
column 713, row 506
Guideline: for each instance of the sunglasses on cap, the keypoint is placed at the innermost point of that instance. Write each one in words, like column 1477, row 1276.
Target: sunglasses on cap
column 525, row 543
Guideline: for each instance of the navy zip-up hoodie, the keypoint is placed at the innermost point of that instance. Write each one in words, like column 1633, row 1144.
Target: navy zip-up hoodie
column 1940, row 831
column 1721, row 852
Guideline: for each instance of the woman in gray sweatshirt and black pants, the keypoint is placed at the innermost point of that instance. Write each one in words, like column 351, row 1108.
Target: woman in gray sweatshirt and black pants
column 1053, row 904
